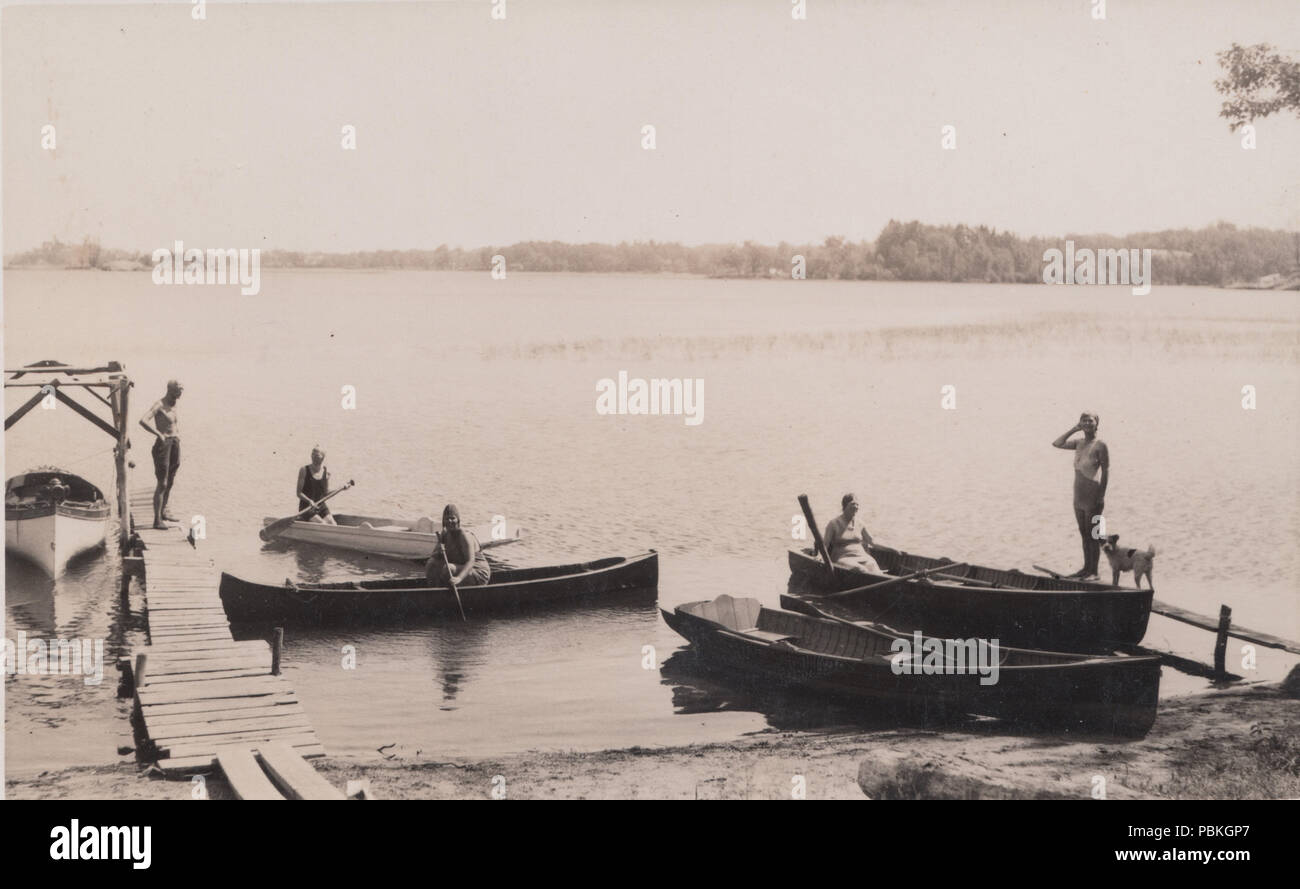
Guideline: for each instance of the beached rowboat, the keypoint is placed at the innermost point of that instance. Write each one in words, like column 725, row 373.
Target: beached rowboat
column 769, row 648
column 51, row 516
column 1020, row 609
column 397, row 538
column 397, row 600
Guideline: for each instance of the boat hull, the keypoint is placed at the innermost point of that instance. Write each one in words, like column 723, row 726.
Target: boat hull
column 395, row 538
column 1108, row 695
column 52, row 534
column 511, row 589
column 1025, row 612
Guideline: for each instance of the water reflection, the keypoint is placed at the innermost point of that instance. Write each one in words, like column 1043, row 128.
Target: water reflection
column 456, row 647
column 702, row 688
column 29, row 596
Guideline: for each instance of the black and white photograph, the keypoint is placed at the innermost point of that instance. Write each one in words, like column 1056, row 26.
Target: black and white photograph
column 716, row 400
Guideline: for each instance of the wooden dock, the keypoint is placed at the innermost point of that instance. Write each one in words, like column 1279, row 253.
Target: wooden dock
column 201, row 693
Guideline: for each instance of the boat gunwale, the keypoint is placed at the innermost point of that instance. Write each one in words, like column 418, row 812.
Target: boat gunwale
column 1093, row 588
column 625, row 562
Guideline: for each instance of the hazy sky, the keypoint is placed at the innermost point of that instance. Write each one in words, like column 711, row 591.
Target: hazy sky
column 470, row 131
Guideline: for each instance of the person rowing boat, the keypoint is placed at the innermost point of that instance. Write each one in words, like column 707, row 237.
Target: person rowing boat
column 459, row 558
column 848, row 540
column 313, row 484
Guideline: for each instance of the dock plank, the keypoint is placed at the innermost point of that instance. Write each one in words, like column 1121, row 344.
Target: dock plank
column 245, row 776
column 1212, row 624
column 293, row 775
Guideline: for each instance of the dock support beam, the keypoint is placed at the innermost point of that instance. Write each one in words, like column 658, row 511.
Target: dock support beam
column 119, row 402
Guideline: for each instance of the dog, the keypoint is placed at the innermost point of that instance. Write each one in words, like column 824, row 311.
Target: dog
column 1135, row 560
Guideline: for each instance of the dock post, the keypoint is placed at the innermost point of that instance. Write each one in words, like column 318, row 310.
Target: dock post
column 119, row 403
column 1221, row 643
column 277, row 646
column 140, row 662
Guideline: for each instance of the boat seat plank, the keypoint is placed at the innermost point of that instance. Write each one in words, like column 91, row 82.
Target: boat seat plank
column 291, row 772
column 768, row 636
column 726, row 608
column 245, row 776
column 747, row 612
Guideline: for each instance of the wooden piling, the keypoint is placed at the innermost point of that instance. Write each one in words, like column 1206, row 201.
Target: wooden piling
column 120, row 399
column 277, row 646
column 1221, row 642
column 141, row 660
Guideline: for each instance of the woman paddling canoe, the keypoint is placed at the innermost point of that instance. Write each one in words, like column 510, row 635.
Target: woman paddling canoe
column 313, row 484
column 459, row 558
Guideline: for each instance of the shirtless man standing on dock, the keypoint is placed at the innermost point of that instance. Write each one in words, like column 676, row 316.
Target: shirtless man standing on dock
column 1091, row 475
column 166, row 450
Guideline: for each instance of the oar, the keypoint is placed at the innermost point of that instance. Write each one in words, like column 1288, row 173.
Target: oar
column 279, row 526
column 817, row 535
column 1051, row 572
column 805, row 603
column 451, row 583
column 894, row 580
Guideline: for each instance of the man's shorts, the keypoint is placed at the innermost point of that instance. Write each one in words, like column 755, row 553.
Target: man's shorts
column 166, row 458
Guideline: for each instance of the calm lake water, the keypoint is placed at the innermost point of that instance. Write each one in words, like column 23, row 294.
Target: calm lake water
column 483, row 393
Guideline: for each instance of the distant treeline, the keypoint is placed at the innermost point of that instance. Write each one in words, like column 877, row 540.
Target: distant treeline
column 1217, row 255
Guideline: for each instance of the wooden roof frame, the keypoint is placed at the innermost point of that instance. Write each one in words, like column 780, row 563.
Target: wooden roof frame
column 52, row 377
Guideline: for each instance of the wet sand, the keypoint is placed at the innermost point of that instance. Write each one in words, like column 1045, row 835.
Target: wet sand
column 1235, row 743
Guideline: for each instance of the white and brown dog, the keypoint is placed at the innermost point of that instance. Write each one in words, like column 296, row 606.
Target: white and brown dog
column 1135, row 560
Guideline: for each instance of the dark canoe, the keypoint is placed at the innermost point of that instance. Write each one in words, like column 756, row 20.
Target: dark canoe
column 396, row 600
column 1021, row 610
column 771, row 648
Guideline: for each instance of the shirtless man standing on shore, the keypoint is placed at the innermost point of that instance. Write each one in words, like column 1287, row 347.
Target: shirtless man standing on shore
column 1091, row 475
column 166, row 450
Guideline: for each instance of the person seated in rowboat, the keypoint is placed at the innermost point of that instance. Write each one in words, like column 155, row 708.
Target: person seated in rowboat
column 53, row 491
column 313, row 484
column 847, row 540
column 459, row 558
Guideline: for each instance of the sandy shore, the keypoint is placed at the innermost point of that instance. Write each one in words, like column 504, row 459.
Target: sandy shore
column 1241, row 742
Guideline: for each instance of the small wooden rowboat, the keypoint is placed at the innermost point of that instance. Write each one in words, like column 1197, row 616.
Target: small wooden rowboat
column 768, row 648
column 397, row 600
column 396, row 538
column 51, row 516
column 1020, row 609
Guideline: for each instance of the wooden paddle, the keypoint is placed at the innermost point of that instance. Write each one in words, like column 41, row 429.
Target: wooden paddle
column 279, row 526
column 1054, row 575
column 451, row 583
column 817, row 535
column 893, row 580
